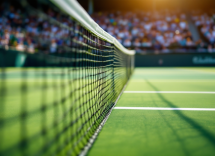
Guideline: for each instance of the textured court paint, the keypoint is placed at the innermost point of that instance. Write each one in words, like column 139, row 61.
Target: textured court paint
column 157, row 132
column 165, row 108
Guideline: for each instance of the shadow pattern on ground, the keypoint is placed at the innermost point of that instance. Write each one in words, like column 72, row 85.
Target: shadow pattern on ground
column 205, row 133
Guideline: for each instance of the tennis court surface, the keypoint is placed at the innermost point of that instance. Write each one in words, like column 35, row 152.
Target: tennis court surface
column 151, row 131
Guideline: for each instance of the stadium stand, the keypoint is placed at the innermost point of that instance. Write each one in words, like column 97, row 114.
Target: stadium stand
column 24, row 32
column 205, row 21
column 163, row 31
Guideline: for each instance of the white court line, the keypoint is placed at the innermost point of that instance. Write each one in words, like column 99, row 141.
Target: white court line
column 198, row 71
column 172, row 92
column 165, row 108
column 174, row 80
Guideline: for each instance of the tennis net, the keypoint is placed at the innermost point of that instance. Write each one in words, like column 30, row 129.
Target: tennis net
column 69, row 76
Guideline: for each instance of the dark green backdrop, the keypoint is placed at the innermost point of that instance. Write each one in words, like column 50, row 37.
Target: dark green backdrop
column 12, row 58
column 175, row 60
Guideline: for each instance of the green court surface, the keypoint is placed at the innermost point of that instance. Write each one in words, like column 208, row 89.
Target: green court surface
column 39, row 105
column 162, row 132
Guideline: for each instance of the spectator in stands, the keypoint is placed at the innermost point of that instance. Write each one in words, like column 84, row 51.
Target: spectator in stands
column 30, row 46
column 146, row 43
column 5, row 37
column 206, row 23
column 53, row 46
column 137, row 43
column 210, row 48
column 157, row 46
column 20, row 46
column 189, row 42
column 127, row 43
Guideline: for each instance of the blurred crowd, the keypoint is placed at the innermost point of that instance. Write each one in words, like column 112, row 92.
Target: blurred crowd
column 163, row 31
column 26, row 32
column 205, row 21
column 159, row 31
column 45, row 31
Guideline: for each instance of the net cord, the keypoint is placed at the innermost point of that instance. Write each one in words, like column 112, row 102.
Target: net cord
column 73, row 8
column 93, row 138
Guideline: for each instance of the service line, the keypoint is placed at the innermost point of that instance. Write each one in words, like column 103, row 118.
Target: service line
column 172, row 92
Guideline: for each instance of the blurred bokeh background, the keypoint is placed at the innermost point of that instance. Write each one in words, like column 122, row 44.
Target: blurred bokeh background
column 160, row 26
column 150, row 27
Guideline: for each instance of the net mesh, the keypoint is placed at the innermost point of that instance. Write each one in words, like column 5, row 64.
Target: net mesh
column 54, row 102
